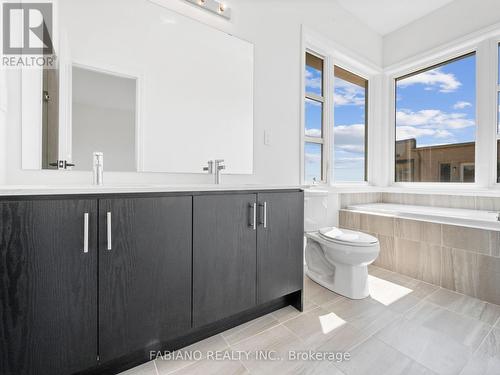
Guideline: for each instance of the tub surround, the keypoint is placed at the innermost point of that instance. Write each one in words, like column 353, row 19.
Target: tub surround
column 474, row 200
column 456, row 257
column 478, row 219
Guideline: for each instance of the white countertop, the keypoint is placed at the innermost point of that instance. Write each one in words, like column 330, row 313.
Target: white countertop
column 19, row 190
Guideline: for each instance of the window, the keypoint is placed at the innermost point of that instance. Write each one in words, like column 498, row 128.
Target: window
column 350, row 127
column 445, row 172
column 435, row 123
column 314, row 120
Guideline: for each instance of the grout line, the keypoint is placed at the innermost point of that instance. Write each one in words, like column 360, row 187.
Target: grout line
column 497, row 323
column 224, row 339
column 482, row 342
column 156, row 368
column 256, row 334
column 245, row 367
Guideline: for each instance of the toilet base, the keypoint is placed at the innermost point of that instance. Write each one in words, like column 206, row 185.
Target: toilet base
column 346, row 280
column 339, row 285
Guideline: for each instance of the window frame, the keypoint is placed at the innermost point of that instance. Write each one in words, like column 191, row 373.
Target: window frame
column 367, row 128
column 415, row 71
column 324, row 131
column 334, row 55
column 433, row 59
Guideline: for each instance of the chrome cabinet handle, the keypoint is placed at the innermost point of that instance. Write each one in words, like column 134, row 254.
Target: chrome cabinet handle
column 265, row 215
column 108, row 222
column 253, row 221
column 255, row 216
column 85, row 233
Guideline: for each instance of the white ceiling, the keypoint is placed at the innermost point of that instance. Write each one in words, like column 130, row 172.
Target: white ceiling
column 385, row 16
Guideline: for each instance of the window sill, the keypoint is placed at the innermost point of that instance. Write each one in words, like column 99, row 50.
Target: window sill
column 464, row 189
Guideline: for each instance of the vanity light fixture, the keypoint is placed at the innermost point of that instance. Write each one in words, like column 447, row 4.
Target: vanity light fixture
column 213, row 6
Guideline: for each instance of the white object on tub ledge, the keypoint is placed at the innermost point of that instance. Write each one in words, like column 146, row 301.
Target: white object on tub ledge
column 453, row 216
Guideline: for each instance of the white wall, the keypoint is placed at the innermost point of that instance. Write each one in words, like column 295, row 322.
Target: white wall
column 275, row 29
column 451, row 22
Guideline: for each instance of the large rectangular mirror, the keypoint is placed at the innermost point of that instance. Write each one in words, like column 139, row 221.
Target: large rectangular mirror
column 153, row 90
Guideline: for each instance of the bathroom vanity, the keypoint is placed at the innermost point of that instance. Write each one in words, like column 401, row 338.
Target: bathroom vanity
column 92, row 281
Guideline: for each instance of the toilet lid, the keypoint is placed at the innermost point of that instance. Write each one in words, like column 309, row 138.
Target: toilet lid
column 347, row 236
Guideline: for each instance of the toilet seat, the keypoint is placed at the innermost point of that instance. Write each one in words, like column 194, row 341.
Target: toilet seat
column 347, row 237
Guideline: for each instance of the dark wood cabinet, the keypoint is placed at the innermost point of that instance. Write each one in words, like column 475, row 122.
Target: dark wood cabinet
column 238, row 264
column 144, row 273
column 48, row 287
column 280, row 236
column 224, row 256
column 92, row 284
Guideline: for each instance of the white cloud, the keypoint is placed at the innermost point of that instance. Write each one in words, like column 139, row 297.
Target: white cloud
column 462, row 105
column 313, row 132
column 350, row 138
column 349, row 163
column 446, row 82
column 434, row 119
column 347, row 93
column 312, row 158
column 408, row 132
column 313, row 82
column 357, row 149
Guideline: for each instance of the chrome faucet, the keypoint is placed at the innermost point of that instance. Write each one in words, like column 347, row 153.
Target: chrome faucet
column 210, row 167
column 98, row 168
column 219, row 166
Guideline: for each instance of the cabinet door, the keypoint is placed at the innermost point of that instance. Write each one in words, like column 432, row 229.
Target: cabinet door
column 48, row 287
column 280, row 245
column 145, row 259
column 224, row 256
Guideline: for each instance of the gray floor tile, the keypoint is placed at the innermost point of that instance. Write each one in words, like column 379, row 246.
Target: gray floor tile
column 212, row 367
column 145, row 369
column 317, row 294
column 367, row 315
column 428, row 347
column 323, row 329
column 269, row 351
column 167, row 365
column 286, row 313
column 374, row 357
column 466, row 305
column 249, row 329
column 460, row 328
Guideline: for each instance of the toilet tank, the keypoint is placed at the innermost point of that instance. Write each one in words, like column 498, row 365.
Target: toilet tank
column 315, row 209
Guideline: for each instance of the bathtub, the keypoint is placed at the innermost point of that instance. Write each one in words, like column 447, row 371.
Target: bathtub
column 453, row 216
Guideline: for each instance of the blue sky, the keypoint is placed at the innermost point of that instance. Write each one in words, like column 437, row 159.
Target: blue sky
column 438, row 106
column 349, row 129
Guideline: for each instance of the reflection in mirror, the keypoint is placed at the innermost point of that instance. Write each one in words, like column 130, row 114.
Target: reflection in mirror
column 50, row 118
column 103, row 119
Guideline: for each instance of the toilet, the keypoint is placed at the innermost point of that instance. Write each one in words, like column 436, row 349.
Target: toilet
column 336, row 258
